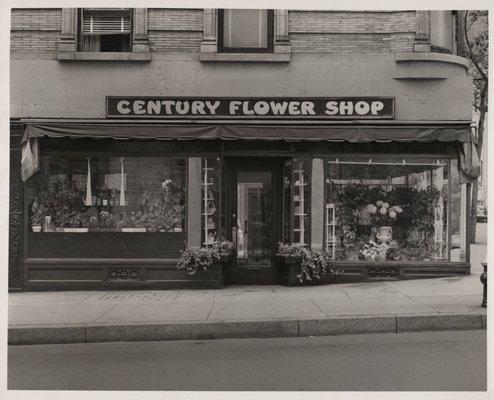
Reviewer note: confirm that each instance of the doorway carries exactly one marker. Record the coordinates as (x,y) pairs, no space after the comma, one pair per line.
(253,217)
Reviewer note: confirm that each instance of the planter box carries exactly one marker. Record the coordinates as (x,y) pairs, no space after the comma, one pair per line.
(212,278)
(289,268)
(225,263)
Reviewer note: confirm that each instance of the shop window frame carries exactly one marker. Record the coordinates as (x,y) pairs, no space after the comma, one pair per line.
(269,36)
(450,159)
(83,154)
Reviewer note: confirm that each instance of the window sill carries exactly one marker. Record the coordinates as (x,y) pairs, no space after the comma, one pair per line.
(245,57)
(93,56)
(407,57)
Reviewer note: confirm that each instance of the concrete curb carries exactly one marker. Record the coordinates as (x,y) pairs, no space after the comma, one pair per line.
(344,325)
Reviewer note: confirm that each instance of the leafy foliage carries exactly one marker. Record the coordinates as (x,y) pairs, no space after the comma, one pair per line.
(314,264)
(196,259)
(477,50)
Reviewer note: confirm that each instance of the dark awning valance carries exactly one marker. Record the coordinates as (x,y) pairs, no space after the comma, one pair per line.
(287,132)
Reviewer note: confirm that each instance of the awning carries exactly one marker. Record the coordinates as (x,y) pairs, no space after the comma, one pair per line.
(462,134)
(286,132)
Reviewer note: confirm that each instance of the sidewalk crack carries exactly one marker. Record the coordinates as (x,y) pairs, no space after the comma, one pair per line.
(422,304)
(84,299)
(105,313)
(210,311)
(319,308)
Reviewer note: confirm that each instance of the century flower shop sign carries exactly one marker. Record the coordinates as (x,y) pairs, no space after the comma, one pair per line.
(320,108)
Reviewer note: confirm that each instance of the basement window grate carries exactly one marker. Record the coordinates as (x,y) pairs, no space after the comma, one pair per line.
(383,273)
(123,274)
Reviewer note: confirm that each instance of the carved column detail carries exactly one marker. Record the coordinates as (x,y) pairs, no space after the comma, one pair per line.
(68,40)
(140,40)
(15,208)
(422,35)
(209,43)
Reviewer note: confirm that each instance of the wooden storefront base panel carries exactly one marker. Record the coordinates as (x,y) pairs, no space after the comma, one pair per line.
(376,271)
(121,275)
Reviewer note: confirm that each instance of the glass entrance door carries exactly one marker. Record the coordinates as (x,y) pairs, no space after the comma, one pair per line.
(254,193)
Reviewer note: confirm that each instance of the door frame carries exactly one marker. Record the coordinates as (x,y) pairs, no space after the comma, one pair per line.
(231,167)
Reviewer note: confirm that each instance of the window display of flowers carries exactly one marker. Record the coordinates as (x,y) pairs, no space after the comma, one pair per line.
(371,250)
(38,214)
(383,214)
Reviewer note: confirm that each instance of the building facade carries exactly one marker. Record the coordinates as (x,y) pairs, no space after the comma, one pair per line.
(142,129)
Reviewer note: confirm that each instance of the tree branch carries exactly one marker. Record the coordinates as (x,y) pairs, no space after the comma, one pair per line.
(469,48)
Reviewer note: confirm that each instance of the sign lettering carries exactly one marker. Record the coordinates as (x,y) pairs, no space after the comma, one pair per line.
(322,108)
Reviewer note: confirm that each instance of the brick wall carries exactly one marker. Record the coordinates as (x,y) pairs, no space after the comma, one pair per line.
(351,32)
(175,30)
(181,30)
(35,29)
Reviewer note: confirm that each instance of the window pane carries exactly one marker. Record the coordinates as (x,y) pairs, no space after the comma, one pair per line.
(245,28)
(105,29)
(387,210)
(442,29)
(211,180)
(458,216)
(131,194)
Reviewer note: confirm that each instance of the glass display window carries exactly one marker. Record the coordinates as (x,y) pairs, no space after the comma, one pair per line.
(113,194)
(393,209)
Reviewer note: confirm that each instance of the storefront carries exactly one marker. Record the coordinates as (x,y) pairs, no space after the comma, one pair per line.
(114,200)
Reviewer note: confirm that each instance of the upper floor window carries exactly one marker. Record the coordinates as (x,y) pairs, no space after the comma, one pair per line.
(245,30)
(105,29)
(442,28)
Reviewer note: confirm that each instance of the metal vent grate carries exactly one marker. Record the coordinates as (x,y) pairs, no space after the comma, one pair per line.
(123,274)
(383,273)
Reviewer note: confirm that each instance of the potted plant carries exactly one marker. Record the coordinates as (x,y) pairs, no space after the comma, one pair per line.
(302,265)
(225,249)
(194,260)
(38,214)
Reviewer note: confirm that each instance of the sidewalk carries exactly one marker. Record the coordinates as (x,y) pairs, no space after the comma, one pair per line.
(250,311)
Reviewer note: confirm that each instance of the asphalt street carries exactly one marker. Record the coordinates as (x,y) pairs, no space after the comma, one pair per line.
(445,361)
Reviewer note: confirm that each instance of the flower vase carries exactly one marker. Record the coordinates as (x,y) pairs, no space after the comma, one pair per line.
(384,234)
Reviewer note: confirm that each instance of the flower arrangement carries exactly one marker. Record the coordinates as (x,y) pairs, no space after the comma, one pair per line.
(196,259)
(314,263)
(371,250)
(39,211)
(290,249)
(382,213)
(224,247)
